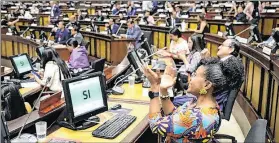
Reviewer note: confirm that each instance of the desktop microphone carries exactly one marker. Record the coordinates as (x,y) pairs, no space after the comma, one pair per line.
(117,90)
(47,81)
(24,31)
(119,28)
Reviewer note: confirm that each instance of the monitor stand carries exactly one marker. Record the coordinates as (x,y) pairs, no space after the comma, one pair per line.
(82,125)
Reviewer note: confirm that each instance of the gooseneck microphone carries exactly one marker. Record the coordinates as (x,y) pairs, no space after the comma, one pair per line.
(47,82)
(119,90)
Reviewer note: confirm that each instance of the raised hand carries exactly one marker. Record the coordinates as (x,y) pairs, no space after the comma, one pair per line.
(169,78)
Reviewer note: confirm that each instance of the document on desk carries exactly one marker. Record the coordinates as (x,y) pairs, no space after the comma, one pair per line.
(29,85)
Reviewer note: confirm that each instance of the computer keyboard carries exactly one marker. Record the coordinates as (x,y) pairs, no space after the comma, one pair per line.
(113,127)
(27,80)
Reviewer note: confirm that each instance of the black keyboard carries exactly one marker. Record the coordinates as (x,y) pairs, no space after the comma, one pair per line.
(113,127)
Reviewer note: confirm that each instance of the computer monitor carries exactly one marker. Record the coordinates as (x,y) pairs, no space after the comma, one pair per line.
(85,96)
(22,64)
(135,61)
(98,65)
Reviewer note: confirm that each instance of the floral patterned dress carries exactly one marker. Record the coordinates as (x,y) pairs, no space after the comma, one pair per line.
(185,123)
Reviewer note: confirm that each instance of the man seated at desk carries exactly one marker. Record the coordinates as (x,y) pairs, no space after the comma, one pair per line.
(76,35)
(112,27)
(62,34)
(73,22)
(173,20)
(116,10)
(133,32)
(99,16)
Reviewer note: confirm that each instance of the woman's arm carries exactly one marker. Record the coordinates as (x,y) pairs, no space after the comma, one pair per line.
(50,72)
(13,22)
(247,10)
(203,24)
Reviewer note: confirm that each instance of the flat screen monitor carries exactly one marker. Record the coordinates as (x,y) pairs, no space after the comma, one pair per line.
(85,96)
(136,62)
(21,64)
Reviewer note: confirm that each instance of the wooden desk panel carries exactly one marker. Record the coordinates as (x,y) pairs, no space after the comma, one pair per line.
(135,94)
(129,135)
(13,45)
(25,92)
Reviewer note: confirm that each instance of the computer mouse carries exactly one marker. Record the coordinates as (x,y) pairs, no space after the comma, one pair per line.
(115,107)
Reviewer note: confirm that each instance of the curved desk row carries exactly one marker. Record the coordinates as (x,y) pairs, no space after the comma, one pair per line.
(259,96)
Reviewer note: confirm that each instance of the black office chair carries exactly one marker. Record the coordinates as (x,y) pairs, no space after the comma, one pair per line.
(121,31)
(147,35)
(97,65)
(257,132)
(227,113)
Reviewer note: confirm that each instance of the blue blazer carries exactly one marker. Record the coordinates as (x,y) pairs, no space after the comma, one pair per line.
(134,33)
(64,36)
(132,12)
(56,11)
(115,11)
(114,28)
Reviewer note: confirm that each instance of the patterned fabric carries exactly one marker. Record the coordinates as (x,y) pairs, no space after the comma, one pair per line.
(185,123)
(193,59)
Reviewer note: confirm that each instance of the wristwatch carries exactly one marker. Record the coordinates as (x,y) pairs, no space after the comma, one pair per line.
(153,94)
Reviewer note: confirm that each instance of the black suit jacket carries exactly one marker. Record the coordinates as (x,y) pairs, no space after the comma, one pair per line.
(169,21)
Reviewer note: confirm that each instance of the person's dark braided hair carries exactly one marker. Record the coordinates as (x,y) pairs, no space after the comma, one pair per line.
(233,69)
(214,74)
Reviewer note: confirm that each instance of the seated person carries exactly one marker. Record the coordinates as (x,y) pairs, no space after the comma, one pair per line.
(195,119)
(178,11)
(116,10)
(148,19)
(62,34)
(232,68)
(73,22)
(192,60)
(202,25)
(177,46)
(79,56)
(100,17)
(79,15)
(131,11)
(121,17)
(133,32)
(7,22)
(55,70)
(239,15)
(173,20)
(76,35)
(112,27)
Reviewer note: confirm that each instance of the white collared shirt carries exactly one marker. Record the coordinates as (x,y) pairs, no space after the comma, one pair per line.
(225,58)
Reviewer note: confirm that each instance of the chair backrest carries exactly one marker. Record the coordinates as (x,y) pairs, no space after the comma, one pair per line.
(98,65)
(257,133)
(147,34)
(12,102)
(227,111)
(121,31)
